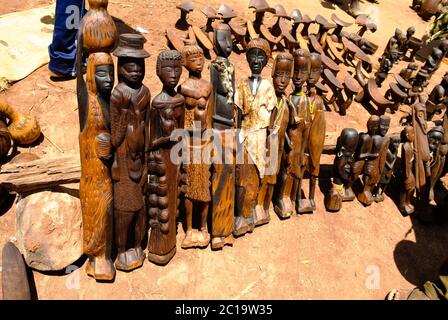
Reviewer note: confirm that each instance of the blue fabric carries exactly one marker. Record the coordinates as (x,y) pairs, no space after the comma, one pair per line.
(62,50)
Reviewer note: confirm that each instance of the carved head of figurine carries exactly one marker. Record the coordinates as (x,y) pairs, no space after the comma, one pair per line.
(420,115)
(315,69)
(407,135)
(394,143)
(169,68)
(373,125)
(435,137)
(100,74)
(131,55)
(346,147)
(258,53)
(398,34)
(435,56)
(410,32)
(302,66)
(193,56)
(413,66)
(384,125)
(222,38)
(97,4)
(282,71)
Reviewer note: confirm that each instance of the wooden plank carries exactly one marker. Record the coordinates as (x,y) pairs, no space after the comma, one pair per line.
(40,174)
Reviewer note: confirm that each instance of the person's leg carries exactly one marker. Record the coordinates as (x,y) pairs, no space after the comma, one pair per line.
(62,50)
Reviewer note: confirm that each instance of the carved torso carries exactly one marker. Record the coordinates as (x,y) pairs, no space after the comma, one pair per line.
(222,75)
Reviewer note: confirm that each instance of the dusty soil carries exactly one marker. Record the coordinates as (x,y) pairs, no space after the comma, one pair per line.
(319,256)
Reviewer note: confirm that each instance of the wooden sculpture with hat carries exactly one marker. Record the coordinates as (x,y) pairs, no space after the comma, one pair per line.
(129,106)
(255,98)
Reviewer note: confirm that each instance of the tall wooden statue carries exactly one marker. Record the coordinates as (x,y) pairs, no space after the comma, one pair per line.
(197,173)
(437,162)
(345,150)
(383,149)
(317,133)
(166,114)
(388,170)
(281,76)
(222,118)
(98,37)
(255,99)
(129,106)
(292,168)
(407,175)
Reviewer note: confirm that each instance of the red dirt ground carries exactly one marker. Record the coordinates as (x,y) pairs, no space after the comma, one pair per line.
(319,256)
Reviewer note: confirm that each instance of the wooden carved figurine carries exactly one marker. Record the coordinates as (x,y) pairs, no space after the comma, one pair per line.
(316,135)
(384,147)
(281,76)
(388,170)
(437,162)
(291,175)
(129,106)
(408,178)
(222,119)
(256,100)
(371,171)
(362,154)
(345,150)
(196,92)
(166,114)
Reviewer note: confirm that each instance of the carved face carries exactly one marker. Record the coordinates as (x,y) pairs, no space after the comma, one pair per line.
(104,78)
(170,72)
(316,69)
(302,67)
(224,44)
(257,60)
(131,70)
(434,140)
(282,75)
(384,127)
(373,127)
(410,136)
(394,143)
(421,118)
(195,63)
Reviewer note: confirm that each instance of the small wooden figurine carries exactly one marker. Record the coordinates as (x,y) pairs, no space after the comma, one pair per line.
(256,100)
(129,106)
(345,150)
(437,162)
(166,114)
(196,92)
(408,178)
(222,119)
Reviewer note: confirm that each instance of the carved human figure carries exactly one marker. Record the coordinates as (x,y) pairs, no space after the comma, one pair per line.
(421,145)
(255,98)
(437,162)
(408,72)
(362,154)
(405,45)
(388,170)
(196,92)
(408,178)
(384,147)
(292,168)
(345,150)
(129,107)
(433,61)
(95,148)
(281,76)
(316,135)
(371,171)
(222,118)
(167,113)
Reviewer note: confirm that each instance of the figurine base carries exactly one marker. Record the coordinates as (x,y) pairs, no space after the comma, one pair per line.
(196,239)
(161,260)
(130,259)
(220,242)
(407,210)
(242,226)
(305,206)
(378,198)
(284,208)
(100,268)
(365,198)
(261,216)
(349,195)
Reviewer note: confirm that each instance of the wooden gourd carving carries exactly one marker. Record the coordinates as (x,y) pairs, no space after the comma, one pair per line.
(24,129)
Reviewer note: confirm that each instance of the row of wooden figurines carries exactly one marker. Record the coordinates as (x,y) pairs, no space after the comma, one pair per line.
(374,155)
(127,170)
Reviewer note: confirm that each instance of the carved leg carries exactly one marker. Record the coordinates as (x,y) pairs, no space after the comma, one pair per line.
(240,226)
(282,201)
(188,240)
(366,197)
(261,216)
(205,236)
(268,198)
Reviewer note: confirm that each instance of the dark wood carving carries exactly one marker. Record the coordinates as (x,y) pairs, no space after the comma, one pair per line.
(407,175)
(383,150)
(437,162)
(222,119)
(5,140)
(15,283)
(388,170)
(167,113)
(129,107)
(197,197)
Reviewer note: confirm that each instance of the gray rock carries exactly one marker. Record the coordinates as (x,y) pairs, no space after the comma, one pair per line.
(49,229)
